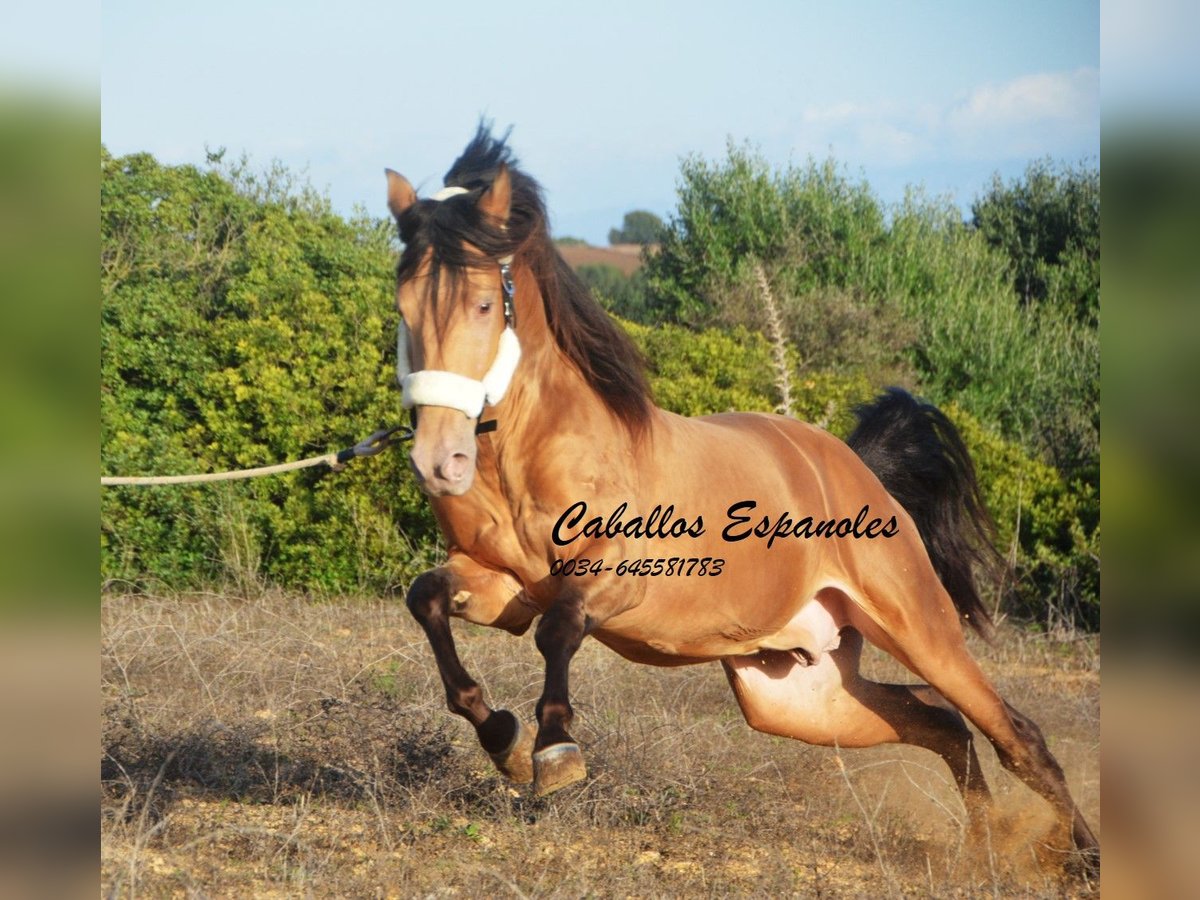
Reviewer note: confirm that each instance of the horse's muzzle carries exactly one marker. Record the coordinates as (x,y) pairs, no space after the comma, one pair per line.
(443,454)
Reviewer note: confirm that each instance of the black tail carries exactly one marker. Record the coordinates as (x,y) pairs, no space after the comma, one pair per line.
(919,456)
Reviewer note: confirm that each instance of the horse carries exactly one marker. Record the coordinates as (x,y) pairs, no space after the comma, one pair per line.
(754,540)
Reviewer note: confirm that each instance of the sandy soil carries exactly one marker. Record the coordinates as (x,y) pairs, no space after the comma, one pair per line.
(285,747)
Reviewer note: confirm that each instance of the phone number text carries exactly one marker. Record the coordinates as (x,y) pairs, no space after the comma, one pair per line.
(675,565)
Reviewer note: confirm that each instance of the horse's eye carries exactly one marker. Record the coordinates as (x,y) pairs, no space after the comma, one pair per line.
(485,307)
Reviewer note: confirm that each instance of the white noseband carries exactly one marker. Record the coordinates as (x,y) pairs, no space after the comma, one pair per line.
(431,387)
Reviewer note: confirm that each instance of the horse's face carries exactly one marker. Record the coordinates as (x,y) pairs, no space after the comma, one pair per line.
(454,326)
(456,333)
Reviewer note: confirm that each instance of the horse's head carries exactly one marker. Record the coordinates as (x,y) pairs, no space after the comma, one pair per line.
(457,349)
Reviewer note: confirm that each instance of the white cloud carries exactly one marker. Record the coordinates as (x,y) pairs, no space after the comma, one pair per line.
(1048,113)
(886,141)
(1047,98)
(837,113)
(1054,113)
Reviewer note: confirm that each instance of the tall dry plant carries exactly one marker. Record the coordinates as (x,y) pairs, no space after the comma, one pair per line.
(783,375)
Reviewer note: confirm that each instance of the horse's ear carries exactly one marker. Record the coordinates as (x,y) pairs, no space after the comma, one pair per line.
(497,200)
(400,193)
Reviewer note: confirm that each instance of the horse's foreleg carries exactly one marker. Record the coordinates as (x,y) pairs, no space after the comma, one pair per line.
(557,760)
(499,731)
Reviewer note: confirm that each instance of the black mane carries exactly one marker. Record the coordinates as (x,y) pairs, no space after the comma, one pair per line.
(457,236)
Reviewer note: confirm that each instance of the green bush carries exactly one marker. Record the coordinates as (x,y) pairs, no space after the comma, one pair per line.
(811,225)
(1048,225)
(1048,529)
(638,227)
(911,294)
(700,373)
(622,295)
(243,323)
(1031,371)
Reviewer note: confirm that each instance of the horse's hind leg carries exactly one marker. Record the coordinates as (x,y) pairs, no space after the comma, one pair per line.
(501,734)
(1081,835)
(929,641)
(829,703)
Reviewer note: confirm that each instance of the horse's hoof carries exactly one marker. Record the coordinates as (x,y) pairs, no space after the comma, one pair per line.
(516,761)
(556,767)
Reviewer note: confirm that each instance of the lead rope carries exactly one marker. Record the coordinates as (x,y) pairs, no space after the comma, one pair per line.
(369,446)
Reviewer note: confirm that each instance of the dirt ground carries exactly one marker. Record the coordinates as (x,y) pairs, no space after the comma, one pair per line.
(282,747)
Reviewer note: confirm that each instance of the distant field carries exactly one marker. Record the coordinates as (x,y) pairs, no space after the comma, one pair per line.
(626,257)
(285,747)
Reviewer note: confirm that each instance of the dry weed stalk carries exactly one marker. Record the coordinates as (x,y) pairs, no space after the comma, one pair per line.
(783,376)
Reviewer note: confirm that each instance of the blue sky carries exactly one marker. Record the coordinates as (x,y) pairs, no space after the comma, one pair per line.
(605,98)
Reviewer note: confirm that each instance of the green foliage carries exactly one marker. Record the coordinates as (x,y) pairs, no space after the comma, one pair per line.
(569,241)
(697,374)
(243,323)
(716,370)
(915,297)
(622,295)
(638,227)
(828,400)
(1048,225)
(821,237)
(810,225)
(1031,371)
(1048,527)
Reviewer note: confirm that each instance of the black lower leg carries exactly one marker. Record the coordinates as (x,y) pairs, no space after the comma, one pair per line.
(559,634)
(953,741)
(429,600)
(1040,770)
(920,716)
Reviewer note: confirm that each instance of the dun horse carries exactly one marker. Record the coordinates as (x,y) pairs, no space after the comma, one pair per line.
(754,540)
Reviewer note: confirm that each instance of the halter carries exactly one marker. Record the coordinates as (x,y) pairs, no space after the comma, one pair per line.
(432,387)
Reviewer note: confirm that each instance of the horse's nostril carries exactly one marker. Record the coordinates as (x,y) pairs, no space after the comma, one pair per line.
(454,468)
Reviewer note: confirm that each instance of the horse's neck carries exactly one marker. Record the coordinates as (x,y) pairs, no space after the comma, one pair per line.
(550,417)
(554,435)
(550,402)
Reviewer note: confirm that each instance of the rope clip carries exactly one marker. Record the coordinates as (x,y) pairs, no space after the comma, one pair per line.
(370,446)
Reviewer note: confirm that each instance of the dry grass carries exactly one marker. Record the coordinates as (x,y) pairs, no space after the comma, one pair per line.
(281,747)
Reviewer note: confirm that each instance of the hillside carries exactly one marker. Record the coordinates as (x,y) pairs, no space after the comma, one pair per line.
(625,257)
